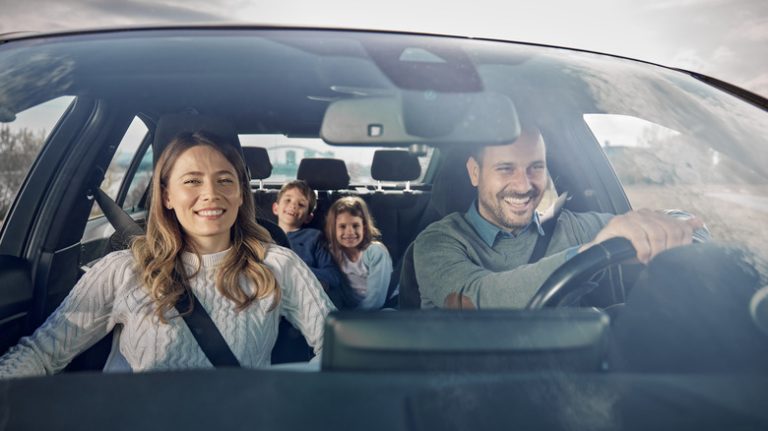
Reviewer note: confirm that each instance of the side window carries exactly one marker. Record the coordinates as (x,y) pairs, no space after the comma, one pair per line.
(139,183)
(20,142)
(117,172)
(661,168)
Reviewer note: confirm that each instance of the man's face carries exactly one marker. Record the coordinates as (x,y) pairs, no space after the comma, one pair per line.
(510,181)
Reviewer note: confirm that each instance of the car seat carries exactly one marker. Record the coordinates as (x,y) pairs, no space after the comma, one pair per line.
(451,192)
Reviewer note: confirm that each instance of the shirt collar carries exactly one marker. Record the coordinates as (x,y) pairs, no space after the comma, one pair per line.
(488,231)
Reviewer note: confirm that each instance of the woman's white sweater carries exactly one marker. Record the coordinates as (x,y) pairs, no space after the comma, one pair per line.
(111,294)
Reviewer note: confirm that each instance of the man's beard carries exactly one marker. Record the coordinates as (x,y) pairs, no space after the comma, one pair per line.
(501,217)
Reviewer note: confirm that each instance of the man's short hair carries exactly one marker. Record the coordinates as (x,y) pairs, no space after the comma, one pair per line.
(305,189)
(479,150)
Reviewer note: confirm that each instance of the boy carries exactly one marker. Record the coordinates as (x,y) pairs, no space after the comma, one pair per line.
(295,207)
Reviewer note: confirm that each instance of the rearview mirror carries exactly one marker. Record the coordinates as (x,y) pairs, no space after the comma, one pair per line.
(422,117)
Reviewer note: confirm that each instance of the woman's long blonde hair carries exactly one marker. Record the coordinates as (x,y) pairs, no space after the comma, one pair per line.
(355,207)
(158,253)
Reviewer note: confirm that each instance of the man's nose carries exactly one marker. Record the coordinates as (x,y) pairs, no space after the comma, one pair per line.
(520,181)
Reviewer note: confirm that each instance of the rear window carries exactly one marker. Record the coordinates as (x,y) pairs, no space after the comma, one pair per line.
(286,153)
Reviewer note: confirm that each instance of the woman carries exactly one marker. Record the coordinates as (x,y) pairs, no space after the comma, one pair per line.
(201,226)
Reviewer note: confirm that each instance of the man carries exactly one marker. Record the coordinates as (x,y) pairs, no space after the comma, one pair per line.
(479,259)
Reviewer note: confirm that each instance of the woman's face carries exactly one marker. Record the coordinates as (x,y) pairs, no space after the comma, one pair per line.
(349,230)
(204,193)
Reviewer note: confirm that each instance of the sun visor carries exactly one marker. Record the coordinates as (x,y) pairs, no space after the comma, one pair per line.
(422,117)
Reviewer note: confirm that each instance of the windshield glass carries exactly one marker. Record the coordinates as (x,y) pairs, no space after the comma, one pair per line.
(672,140)
(412,150)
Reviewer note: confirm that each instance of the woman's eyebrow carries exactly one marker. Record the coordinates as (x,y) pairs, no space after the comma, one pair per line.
(198,173)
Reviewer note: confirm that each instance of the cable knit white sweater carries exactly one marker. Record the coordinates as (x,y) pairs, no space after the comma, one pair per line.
(110,294)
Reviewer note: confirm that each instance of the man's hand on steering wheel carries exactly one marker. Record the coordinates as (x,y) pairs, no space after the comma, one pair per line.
(650,232)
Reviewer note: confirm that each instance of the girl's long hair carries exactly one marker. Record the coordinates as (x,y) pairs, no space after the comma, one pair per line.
(158,253)
(356,207)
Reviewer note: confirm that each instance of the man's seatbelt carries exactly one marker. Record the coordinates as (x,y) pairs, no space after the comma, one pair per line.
(548,226)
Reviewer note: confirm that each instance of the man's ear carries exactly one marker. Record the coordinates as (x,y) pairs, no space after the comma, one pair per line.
(274,208)
(473,169)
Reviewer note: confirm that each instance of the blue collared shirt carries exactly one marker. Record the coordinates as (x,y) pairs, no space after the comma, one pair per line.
(489,232)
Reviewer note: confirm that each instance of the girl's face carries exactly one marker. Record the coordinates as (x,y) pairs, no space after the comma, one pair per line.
(349,230)
(204,193)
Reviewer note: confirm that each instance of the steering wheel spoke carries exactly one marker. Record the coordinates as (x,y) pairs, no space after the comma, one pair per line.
(564,286)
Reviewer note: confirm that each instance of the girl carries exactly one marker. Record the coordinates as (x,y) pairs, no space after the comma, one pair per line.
(366,262)
(202,238)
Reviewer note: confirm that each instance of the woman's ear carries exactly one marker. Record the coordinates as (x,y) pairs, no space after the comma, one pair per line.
(166,200)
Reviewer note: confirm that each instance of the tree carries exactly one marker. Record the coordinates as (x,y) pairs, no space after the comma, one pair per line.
(18,149)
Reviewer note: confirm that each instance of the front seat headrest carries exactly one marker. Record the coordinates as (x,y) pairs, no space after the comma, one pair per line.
(324,174)
(170,125)
(257,160)
(395,165)
(452,191)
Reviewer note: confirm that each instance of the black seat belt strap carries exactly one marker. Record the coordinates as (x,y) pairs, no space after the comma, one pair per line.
(542,241)
(206,333)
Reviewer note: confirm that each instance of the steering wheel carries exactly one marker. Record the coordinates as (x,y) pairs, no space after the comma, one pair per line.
(565,283)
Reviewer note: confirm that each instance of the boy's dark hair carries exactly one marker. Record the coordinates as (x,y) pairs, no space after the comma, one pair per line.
(305,189)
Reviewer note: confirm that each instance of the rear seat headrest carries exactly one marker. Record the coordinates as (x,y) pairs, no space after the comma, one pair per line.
(395,165)
(170,125)
(324,174)
(257,160)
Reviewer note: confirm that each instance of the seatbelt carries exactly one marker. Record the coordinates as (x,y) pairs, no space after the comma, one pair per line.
(548,226)
(117,217)
(205,331)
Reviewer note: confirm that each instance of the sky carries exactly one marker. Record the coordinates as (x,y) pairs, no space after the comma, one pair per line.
(726,39)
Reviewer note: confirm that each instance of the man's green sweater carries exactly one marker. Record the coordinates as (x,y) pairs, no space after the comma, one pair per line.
(450,256)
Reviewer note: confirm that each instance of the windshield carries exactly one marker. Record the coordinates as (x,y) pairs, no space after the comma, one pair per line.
(410,150)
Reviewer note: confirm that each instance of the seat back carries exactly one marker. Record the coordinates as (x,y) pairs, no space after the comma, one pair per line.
(260,168)
(329,178)
(410,297)
(387,206)
(451,192)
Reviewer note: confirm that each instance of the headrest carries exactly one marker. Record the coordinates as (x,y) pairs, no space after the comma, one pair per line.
(324,174)
(395,165)
(171,125)
(451,188)
(257,160)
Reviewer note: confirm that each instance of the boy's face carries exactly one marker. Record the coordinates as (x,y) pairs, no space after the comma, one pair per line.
(292,209)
